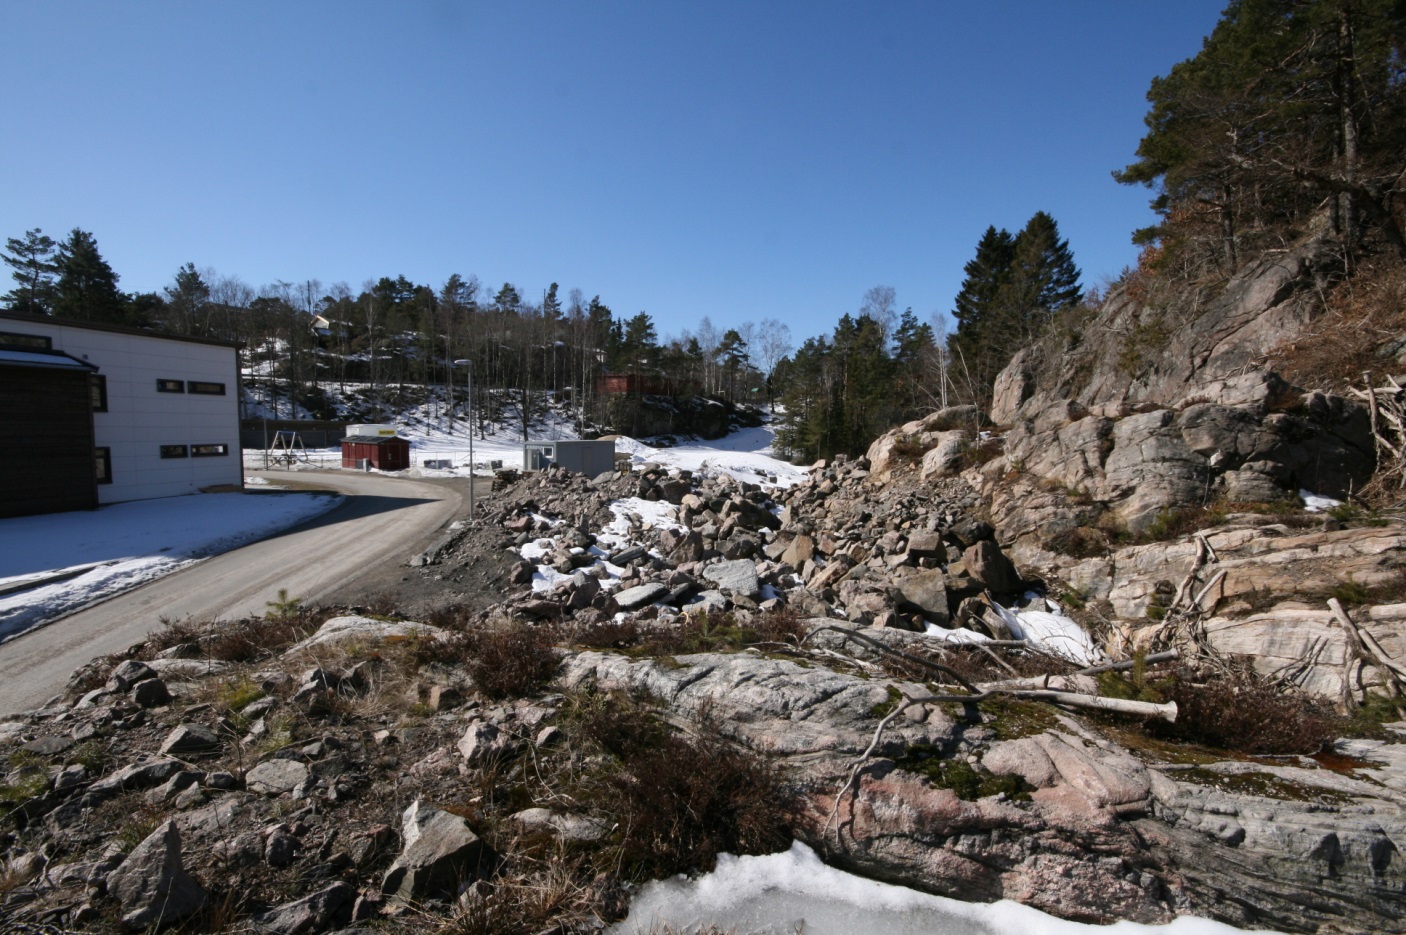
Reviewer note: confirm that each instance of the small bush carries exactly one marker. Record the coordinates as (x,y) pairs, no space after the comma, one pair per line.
(172,633)
(679,799)
(259,637)
(722,632)
(908,448)
(1080,542)
(980,451)
(1243,713)
(512,660)
(609,634)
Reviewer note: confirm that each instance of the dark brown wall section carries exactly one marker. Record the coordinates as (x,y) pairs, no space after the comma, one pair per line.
(47,419)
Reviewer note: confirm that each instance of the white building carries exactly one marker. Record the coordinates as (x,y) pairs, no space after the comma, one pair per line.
(101,414)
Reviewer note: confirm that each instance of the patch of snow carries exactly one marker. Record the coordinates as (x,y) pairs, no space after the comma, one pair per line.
(779,894)
(1317,503)
(957,635)
(1050,629)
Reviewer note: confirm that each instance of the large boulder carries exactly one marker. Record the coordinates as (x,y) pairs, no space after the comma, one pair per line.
(736,577)
(151,884)
(440,853)
(926,592)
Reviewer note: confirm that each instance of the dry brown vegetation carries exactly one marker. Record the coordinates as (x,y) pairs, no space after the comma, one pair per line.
(1362,314)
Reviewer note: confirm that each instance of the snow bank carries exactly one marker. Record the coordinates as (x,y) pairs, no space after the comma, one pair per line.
(88,556)
(781,894)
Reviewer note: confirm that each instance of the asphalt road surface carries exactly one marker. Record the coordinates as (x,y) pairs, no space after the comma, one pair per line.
(382,520)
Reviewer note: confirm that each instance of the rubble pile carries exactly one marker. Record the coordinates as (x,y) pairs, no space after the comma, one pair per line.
(655,543)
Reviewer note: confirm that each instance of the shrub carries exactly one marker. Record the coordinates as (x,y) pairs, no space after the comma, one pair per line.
(1079,542)
(908,448)
(1241,712)
(679,799)
(980,451)
(609,634)
(510,660)
(260,637)
(719,632)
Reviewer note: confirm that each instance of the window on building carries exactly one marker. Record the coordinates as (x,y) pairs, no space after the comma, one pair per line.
(206,388)
(104,464)
(170,386)
(174,451)
(11,340)
(97,386)
(208,451)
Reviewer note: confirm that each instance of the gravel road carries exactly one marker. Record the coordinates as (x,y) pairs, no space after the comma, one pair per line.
(381,522)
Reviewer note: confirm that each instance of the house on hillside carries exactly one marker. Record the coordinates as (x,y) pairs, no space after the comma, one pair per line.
(99,414)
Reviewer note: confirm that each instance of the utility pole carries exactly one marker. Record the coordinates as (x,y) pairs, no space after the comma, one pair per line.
(470,365)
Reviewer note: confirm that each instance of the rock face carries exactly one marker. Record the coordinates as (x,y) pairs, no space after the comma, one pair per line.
(1104,833)
(1176,409)
(1132,354)
(152,886)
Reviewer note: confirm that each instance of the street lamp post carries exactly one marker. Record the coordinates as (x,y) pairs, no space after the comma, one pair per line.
(470,365)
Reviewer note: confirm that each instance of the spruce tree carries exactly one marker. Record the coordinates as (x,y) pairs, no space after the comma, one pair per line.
(32,260)
(87,286)
(976,343)
(1013,287)
(1043,279)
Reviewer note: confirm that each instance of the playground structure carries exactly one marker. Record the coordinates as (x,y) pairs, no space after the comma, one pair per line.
(287,449)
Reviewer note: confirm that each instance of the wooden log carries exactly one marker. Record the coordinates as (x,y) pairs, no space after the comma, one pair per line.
(1167,712)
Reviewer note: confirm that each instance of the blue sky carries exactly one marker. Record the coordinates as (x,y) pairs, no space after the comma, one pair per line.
(740,160)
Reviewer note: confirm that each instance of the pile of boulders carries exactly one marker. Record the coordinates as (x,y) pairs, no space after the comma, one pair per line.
(902,553)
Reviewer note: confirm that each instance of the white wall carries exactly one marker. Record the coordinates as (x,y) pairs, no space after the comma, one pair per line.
(139,420)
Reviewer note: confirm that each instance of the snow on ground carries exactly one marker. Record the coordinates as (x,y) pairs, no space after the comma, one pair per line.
(57,563)
(630,513)
(745,454)
(780,894)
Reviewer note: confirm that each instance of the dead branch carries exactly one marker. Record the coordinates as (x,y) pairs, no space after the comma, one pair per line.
(898,653)
(1042,681)
(1359,656)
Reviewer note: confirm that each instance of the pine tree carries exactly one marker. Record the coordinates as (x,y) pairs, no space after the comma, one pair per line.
(87,286)
(1291,106)
(188,300)
(32,260)
(976,343)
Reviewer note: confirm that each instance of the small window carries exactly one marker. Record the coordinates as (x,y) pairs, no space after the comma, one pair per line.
(27,342)
(205,388)
(104,464)
(174,451)
(97,386)
(170,386)
(208,451)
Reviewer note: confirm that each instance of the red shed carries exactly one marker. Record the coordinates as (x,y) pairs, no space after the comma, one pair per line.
(383,452)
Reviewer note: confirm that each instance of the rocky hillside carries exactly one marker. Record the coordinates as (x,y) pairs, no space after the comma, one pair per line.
(693,665)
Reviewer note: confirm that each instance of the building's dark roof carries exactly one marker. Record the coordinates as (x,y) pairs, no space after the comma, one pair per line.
(115,329)
(37,358)
(373,439)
